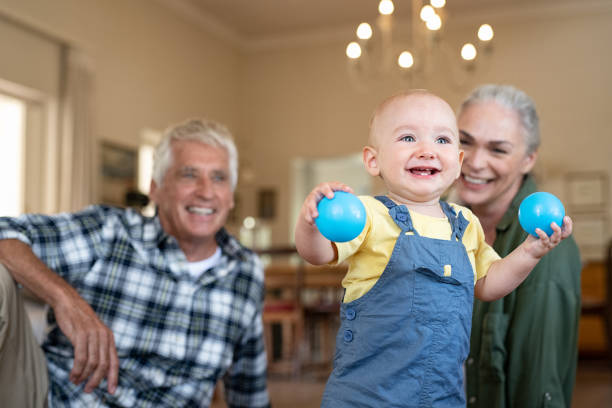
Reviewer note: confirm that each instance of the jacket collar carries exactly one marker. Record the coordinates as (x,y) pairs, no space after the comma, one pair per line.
(527,187)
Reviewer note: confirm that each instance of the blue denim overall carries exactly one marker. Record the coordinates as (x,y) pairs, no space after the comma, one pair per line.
(403,343)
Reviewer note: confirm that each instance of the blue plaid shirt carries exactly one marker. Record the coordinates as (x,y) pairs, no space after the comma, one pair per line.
(176,335)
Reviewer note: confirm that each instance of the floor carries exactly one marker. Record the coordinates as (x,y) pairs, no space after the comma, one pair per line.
(593,389)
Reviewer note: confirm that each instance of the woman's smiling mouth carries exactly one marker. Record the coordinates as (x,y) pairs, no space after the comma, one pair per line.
(475,180)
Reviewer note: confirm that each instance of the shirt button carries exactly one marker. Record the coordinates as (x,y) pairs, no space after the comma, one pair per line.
(548,396)
(348,336)
(470,361)
(472,400)
(350,313)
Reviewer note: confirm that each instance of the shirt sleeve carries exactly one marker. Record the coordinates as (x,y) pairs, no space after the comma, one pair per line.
(246,381)
(67,243)
(346,249)
(481,254)
(543,336)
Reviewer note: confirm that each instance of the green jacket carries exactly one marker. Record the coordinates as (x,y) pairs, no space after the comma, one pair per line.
(524,347)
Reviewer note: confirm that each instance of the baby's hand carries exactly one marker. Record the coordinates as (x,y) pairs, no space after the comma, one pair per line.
(309,209)
(538,247)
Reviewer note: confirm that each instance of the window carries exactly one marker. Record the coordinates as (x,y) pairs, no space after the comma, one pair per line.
(12,130)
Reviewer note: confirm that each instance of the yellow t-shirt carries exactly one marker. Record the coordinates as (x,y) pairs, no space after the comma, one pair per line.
(369,253)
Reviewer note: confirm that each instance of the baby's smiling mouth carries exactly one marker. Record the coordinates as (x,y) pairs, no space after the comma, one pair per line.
(423,171)
(201,210)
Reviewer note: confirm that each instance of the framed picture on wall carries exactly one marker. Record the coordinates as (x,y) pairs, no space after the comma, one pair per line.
(119,172)
(587,191)
(266,203)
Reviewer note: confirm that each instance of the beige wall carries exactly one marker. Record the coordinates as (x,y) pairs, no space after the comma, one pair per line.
(153,68)
(299,102)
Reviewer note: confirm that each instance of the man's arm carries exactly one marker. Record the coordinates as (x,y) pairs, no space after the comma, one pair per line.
(95,355)
(507,273)
(33,247)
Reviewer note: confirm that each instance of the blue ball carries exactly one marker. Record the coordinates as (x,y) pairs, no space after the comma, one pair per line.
(538,210)
(342,218)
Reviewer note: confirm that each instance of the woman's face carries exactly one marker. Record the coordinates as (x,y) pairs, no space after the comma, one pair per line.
(495,157)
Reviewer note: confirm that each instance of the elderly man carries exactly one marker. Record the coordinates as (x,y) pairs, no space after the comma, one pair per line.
(144,311)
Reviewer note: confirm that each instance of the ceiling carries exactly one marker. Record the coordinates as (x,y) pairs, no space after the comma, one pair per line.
(253,20)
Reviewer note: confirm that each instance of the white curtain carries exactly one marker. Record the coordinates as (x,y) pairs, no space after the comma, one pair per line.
(78,162)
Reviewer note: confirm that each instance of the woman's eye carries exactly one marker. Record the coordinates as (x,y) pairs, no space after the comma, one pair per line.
(407,138)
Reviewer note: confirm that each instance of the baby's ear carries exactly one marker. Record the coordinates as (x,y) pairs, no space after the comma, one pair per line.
(370,161)
(461,154)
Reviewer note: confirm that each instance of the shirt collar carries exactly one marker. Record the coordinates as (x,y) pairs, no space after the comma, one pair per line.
(528,186)
(157,237)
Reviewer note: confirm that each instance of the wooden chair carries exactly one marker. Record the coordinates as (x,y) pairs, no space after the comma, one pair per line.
(321,313)
(598,301)
(282,309)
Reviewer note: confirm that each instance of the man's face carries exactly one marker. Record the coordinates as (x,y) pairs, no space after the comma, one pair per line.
(416,148)
(196,195)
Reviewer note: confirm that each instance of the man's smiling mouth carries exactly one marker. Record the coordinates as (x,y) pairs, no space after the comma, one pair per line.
(201,210)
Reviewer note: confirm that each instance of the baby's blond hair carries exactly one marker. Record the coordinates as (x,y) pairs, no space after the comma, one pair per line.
(385,103)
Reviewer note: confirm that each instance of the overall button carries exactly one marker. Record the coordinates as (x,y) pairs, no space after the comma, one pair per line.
(348,336)
(350,314)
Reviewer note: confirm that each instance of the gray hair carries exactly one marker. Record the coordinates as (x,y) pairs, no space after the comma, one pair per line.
(515,100)
(201,130)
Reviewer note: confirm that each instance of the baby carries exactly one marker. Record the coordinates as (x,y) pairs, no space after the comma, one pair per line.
(414,269)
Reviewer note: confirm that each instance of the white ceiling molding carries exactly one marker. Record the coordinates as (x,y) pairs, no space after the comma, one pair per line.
(205,21)
(534,11)
(497,13)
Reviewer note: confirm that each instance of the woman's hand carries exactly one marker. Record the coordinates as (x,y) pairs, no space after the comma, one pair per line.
(538,247)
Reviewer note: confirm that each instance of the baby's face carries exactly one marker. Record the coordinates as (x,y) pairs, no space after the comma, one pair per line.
(416,147)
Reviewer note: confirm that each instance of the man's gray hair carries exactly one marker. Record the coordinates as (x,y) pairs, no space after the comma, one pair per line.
(200,130)
(514,99)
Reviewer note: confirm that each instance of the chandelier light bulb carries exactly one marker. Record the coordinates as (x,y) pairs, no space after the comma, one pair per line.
(468,52)
(485,32)
(364,31)
(438,3)
(353,50)
(405,59)
(427,12)
(434,23)
(385,7)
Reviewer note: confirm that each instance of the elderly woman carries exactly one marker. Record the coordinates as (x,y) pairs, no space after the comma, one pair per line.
(524,346)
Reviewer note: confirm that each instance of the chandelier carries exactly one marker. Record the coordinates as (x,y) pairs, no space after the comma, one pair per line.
(411,48)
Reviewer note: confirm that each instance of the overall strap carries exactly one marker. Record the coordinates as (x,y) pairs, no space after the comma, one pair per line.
(399,214)
(458,222)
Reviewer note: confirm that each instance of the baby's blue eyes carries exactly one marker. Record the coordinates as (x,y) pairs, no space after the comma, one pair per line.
(440,140)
